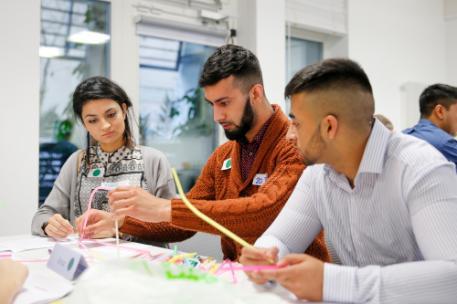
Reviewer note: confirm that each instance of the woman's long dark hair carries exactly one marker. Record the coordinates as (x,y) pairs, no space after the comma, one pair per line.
(99,87)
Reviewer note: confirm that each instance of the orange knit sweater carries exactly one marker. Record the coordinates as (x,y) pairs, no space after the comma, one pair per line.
(242,207)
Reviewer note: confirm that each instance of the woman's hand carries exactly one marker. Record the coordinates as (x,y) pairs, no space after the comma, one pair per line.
(58,227)
(100,224)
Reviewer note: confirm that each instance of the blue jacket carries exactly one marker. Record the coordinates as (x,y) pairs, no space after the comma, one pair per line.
(437,137)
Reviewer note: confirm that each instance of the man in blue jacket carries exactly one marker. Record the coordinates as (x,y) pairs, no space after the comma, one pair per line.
(438,123)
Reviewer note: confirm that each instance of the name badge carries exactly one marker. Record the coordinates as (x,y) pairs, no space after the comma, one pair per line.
(227,164)
(96,172)
(259,179)
(67,262)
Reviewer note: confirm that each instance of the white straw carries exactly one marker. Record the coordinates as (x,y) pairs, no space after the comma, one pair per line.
(116,225)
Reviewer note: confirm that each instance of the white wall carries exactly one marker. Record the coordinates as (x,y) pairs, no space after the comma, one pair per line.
(324,16)
(124,52)
(451,40)
(19,115)
(261,29)
(397,42)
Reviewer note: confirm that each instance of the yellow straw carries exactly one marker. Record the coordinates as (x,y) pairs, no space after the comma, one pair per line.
(205,218)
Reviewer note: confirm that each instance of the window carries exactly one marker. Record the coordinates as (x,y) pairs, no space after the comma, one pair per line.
(174,117)
(74,45)
(301,53)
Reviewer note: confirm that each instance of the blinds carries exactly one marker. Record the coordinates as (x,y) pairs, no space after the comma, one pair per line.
(167,29)
(325,16)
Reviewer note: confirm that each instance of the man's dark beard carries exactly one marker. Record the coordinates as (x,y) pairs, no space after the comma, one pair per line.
(245,125)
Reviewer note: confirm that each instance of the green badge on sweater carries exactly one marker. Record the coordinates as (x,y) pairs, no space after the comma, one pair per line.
(96,172)
(227,164)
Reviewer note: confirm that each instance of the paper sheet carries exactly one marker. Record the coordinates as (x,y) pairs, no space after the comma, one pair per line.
(32,242)
(43,288)
(107,250)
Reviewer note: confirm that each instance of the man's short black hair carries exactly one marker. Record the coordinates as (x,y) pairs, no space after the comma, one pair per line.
(230,60)
(435,94)
(328,74)
(353,102)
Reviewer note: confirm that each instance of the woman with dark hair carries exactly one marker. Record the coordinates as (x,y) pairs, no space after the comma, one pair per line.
(110,158)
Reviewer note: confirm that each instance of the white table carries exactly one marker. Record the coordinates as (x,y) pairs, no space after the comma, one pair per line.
(39,274)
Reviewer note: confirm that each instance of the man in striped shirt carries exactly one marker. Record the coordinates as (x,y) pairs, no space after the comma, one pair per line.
(387,201)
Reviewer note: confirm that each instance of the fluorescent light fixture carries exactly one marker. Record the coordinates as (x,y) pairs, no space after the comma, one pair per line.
(50,51)
(89,37)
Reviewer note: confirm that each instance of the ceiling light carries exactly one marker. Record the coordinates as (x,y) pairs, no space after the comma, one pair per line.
(89,37)
(50,51)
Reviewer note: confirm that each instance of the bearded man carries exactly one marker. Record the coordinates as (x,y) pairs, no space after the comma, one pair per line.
(245,182)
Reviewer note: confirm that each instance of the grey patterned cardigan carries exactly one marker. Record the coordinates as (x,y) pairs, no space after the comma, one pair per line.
(61,199)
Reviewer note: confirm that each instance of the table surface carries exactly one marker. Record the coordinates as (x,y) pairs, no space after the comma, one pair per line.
(36,260)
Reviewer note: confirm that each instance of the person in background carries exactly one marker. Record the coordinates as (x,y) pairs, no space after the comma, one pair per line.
(386,201)
(12,277)
(438,122)
(246,181)
(111,157)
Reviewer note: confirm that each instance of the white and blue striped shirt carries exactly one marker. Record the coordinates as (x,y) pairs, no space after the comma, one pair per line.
(395,232)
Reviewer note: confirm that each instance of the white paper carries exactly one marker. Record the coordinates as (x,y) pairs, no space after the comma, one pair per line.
(43,287)
(100,252)
(32,242)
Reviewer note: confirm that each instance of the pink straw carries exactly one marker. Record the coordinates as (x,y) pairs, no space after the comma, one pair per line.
(228,265)
(232,270)
(30,260)
(89,206)
(245,268)
(140,252)
(253,268)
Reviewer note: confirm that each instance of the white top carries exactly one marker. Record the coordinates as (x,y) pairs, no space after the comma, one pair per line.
(395,232)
